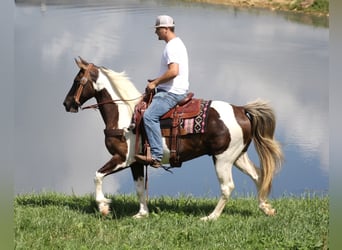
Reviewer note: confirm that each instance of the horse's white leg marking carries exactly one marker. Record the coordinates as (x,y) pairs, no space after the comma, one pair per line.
(248,167)
(224,175)
(140,187)
(102,202)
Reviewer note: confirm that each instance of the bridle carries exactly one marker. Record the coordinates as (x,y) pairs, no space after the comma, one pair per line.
(83,82)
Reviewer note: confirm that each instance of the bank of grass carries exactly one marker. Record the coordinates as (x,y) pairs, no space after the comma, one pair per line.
(315,7)
(57,221)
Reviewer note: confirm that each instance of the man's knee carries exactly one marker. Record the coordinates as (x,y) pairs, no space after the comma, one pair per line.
(147,116)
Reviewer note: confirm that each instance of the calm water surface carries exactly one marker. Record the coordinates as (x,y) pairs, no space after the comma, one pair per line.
(236,55)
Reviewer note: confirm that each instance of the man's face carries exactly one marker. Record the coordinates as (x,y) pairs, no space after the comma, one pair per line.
(161,33)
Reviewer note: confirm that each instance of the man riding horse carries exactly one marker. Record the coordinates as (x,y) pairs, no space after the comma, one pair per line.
(228,132)
(171,87)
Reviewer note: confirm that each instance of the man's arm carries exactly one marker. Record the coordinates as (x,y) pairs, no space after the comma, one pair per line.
(172,72)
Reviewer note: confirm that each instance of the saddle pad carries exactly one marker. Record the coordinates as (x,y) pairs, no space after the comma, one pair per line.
(194,125)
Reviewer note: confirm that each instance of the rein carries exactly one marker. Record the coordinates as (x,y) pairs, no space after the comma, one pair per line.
(97,105)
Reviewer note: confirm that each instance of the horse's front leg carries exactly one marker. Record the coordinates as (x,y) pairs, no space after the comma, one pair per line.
(112,166)
(138,176)
(101,200)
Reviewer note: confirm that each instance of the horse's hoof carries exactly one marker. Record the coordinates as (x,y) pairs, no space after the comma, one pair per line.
(140,215)
(271,212)
(208,218)
(205,218)
(104,208)
(267,209)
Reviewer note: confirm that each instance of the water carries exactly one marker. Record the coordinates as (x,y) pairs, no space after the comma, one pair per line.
(236,55)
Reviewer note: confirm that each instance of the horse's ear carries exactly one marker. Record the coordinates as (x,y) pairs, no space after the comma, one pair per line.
(80,63)
(83,61)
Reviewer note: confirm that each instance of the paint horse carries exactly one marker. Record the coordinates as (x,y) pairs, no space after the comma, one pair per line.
(229,131)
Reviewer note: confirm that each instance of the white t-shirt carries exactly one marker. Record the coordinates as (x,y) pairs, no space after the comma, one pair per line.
(175,52)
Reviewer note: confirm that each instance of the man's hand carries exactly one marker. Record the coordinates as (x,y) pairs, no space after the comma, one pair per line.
(151,85)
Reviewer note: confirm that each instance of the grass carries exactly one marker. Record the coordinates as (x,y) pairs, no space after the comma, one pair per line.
(57,221)
(319,6)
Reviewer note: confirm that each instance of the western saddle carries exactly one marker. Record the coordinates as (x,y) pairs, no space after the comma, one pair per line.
(170,124)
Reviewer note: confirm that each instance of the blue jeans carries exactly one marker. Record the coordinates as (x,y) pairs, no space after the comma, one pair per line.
(161,103)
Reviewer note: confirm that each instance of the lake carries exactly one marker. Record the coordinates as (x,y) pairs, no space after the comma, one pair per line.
(236,55)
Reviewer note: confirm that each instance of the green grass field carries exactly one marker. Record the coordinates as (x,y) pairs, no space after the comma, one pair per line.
(57,221)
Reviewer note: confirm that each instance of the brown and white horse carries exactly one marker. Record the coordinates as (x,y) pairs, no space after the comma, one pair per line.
(228,134)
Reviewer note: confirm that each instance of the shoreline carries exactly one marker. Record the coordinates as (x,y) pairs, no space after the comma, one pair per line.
(296,6)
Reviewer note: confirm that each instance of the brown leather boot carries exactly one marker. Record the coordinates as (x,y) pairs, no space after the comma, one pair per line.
(152,162)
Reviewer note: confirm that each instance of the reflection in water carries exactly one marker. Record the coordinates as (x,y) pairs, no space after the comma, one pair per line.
(235,55)
(313,20)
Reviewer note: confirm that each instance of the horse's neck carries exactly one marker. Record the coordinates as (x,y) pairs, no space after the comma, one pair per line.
(121,86)
(121,113)
(109,111)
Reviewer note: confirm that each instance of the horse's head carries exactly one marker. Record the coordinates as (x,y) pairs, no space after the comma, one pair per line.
(82,89)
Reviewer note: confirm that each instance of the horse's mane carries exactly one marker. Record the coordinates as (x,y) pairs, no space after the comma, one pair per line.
(122,86)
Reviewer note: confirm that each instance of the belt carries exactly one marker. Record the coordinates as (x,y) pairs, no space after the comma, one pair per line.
(161,90)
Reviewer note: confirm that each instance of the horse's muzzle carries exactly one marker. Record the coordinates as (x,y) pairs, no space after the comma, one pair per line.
(70,106)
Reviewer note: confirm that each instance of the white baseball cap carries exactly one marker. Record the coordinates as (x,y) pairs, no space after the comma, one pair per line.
(164,21)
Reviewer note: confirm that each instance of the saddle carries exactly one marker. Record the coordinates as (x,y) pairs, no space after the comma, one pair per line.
(170,123)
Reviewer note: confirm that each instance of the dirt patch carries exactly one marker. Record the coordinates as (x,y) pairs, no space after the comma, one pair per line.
(257,3)
(286,5)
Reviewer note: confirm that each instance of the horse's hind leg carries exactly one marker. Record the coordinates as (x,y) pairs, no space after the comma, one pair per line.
(248,167)
(224,174)
(138,176)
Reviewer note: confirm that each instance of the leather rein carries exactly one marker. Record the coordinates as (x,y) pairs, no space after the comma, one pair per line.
(97,105)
